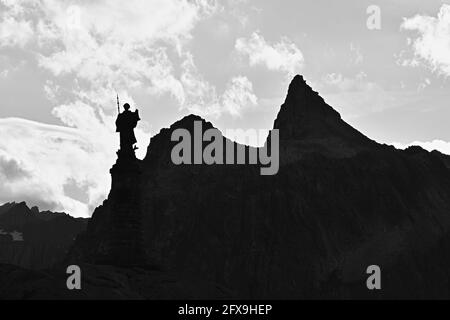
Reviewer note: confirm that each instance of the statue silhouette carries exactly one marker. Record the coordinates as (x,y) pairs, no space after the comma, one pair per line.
(125,124)
(124,245)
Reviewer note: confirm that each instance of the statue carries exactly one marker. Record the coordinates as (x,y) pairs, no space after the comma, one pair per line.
(125,124)
(123,244)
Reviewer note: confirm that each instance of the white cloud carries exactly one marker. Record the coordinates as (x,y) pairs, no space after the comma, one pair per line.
(201,97)
(39,160)
(52,156)
(51,90)
(236,10)
(88,50)
(238,95)
(424,84)
(439,145)
(337,81)
(106,44)
(283,56)
(14,32)
(356,96)
(357,56)
(432,44)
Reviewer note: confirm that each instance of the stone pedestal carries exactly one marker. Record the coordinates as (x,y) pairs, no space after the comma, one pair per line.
(125,243)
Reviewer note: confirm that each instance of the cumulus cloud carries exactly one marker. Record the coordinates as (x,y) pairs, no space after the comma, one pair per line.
(88,49)
(198,96)
(105,46)
(14,32)
(439,145)
(238,95)
(283,56)
(105,43)
(38,160)
(202,98)
(431,44)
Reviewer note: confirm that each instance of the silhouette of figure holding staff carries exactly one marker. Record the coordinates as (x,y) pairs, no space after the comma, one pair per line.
(125,124)
(124,243)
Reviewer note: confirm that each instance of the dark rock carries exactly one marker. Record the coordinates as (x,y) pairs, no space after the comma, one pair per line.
(105,283)
(5,239)
(340,203)
(46,236)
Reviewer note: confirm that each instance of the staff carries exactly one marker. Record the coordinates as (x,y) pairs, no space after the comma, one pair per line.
(118,105)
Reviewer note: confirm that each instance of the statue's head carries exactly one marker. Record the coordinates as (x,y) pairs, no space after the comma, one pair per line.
(126,106)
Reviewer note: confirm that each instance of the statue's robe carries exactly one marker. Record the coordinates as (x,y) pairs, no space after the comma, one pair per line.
(125,124)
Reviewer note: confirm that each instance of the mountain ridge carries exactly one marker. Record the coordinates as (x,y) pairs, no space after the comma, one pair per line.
(339,203)
(43,238)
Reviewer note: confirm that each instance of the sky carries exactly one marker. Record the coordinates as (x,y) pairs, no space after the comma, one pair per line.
(384,65)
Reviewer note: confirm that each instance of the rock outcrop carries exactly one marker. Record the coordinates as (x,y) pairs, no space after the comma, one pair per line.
(105,283)
(34,239)
(339,203)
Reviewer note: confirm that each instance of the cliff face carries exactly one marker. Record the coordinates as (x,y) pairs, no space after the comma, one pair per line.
(34,239)
(339,203)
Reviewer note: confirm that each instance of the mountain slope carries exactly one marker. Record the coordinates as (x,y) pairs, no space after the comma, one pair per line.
(105,283)
(339,203)
(37,240)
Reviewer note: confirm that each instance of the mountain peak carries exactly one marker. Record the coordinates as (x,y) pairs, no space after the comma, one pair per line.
(188,122)
(303,102)
(307,118)
(299,85)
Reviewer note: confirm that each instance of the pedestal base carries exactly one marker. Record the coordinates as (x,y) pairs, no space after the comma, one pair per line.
(125,244)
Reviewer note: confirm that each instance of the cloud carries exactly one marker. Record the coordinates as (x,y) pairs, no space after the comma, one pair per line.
(38,161)
(14,32)
(200,97)
(87,50)
(431,46)
(239,95)
(336,82)
(356,54)
(424,84)
(356,95)
(10,169)
(105,45)
(42,159)
(439,145)
(283,56)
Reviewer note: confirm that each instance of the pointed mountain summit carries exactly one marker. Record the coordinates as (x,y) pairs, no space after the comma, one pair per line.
(303,101)
(339,203)
(305,118)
